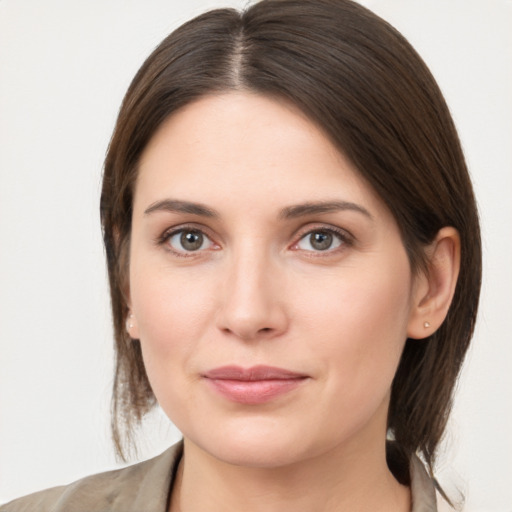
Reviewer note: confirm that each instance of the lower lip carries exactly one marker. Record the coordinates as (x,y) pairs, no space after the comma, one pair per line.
(255,391)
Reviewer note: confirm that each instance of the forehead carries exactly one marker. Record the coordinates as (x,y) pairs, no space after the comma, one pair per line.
(248,149)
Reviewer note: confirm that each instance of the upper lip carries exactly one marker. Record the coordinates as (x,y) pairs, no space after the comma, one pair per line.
(253,373)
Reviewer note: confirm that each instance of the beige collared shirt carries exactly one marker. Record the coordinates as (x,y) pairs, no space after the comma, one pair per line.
(144,487)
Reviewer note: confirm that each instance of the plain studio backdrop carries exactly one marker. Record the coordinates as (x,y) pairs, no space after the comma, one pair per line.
(64,67)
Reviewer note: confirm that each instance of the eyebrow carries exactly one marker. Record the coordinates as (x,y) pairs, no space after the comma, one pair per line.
(320,207)
(290,212)
(174,205)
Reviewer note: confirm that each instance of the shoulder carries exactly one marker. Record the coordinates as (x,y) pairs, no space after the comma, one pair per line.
(144,486)
(423,492)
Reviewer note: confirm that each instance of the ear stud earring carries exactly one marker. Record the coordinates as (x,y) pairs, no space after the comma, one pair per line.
(129,323)
(426,325)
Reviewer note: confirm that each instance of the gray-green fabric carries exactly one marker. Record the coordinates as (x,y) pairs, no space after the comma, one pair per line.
(145,487)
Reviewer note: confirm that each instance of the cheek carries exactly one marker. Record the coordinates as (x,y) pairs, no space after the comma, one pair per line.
(171,315)
(359,324)
(358,301)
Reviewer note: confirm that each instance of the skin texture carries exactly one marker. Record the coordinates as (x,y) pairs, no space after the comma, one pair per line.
(259,292)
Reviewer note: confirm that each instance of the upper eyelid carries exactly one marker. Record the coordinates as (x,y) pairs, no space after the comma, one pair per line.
(305,230)
(168,232)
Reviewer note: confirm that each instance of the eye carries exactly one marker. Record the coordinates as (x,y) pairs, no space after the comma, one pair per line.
(188,240)
(320,240)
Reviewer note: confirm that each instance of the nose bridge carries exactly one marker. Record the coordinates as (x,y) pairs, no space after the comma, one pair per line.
(251,304)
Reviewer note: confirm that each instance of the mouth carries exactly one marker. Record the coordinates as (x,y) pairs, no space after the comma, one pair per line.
(255,385)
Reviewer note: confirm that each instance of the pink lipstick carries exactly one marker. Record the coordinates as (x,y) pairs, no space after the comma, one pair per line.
(255,385)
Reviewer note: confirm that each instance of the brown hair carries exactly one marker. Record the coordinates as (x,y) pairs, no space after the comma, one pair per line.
(361,81)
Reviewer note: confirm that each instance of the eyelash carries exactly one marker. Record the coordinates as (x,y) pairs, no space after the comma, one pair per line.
(344,237)
(167,235)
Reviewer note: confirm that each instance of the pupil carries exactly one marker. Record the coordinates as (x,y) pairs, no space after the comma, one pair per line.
(321,241)
(191,241)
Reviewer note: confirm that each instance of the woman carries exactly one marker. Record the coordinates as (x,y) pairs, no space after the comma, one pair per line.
(294,261)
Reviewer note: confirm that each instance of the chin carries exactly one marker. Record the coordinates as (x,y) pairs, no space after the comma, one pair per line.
(253,447)
(257,447)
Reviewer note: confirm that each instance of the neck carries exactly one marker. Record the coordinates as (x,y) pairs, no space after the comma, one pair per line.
(343,479)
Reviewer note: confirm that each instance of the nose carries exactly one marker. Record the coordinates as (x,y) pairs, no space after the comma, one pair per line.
(253,304)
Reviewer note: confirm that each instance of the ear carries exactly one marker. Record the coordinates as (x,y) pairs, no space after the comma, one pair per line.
(433,291)
(124,282)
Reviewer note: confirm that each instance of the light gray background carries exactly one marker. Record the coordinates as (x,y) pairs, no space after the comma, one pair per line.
(64,67)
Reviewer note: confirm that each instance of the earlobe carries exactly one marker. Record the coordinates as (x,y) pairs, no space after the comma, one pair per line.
(434,290)
(131,326)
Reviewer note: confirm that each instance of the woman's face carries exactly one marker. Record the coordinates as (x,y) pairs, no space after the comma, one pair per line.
(270,288)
